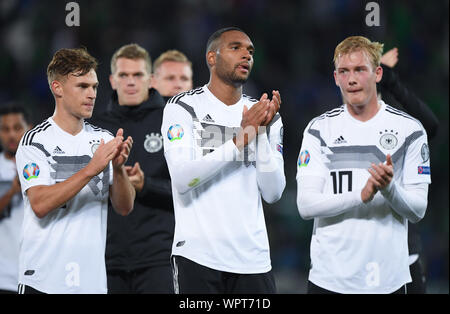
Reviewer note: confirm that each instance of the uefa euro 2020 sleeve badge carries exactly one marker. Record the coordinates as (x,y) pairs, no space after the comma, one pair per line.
(153,142)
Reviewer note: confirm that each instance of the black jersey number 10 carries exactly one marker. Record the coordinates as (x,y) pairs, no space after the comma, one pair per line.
(338,177)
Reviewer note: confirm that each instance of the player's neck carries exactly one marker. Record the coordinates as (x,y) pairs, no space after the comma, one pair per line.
(364,112)
(228,94)
(68,122)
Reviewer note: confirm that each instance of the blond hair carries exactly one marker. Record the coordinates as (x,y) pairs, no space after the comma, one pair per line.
(351,44)
(171,55)
(134,52)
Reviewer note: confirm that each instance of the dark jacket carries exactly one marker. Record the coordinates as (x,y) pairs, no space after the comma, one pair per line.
(144,237)
(398,95)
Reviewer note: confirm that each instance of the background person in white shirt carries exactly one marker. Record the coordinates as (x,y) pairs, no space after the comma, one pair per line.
(219,174)
(363,172)
(68,169)
(14,122)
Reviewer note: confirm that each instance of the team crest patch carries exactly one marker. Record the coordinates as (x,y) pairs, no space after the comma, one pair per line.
(31,171)
(94,145)
(425,153)
(304,158)
(153,142)
(388,140)
(175,132)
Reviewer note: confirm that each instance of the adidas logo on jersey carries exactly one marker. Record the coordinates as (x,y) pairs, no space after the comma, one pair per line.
(58,151)
(340,140)
(208,118)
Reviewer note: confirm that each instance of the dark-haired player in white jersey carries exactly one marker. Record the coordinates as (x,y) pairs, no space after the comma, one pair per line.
(219,174)
(67,170)
(363,172)
(14,122)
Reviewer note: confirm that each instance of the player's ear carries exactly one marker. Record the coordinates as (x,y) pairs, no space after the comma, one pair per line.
(335,78)
(379,73)
(150,80)
(154,81)
(211,58)
(56,87)
(112,82)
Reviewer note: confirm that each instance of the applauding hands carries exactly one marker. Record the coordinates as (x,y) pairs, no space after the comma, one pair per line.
(256,118)
(117,150)
(381,176)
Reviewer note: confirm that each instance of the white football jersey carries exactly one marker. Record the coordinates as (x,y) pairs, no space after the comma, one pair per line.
(10,228)
(63,252)
(364,250)
(219,221)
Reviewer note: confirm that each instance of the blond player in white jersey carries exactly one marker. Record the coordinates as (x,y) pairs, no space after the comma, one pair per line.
(363,172)
(221,174)
(67,170)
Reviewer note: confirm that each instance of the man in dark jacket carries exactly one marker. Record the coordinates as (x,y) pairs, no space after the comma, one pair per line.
(397,94)
(138,246)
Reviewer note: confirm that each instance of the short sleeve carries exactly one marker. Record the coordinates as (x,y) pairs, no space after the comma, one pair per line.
(32,167)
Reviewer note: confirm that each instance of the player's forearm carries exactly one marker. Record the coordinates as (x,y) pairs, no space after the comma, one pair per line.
(269,170)
(122,193)
(409,202)
(189,174)
(317,205)
(313,203)
(46,198)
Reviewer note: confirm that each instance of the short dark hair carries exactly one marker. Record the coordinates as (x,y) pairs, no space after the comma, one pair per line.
(66,61)
(15,108)
(211,44)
